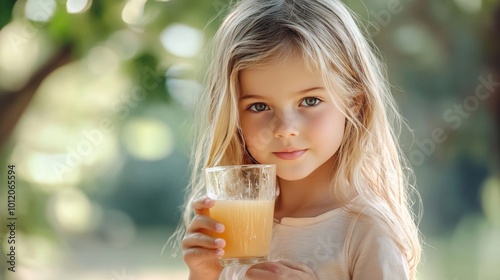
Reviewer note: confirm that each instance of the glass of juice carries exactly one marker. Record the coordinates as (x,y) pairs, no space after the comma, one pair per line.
(244,202)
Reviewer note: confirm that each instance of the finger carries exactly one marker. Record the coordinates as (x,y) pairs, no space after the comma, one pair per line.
(196,255)
(202,204)
(202,240)
(204,223)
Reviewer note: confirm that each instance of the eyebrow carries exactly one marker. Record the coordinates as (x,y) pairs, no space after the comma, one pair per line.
(251,96)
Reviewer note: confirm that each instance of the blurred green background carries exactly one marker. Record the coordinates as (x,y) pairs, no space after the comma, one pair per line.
(95,113)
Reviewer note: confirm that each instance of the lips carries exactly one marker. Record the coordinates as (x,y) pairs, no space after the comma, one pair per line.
(290,154)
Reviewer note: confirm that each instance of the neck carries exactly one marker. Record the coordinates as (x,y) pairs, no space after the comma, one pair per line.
(308,197)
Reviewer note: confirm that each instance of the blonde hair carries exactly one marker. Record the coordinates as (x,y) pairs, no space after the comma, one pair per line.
(325,33)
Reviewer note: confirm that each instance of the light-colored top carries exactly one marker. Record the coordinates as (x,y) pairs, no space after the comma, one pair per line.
(337,245)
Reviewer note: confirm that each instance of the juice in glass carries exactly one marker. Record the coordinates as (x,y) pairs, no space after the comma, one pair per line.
(248,223)
(244,202)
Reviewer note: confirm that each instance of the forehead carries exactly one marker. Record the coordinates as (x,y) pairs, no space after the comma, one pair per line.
(290,74)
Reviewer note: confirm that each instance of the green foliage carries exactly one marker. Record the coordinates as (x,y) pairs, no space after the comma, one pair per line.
(6,12)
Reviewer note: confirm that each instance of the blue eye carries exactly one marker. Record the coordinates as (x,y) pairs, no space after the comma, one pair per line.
(258,107)
(310,101)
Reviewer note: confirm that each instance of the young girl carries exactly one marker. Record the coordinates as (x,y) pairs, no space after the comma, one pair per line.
(294,83)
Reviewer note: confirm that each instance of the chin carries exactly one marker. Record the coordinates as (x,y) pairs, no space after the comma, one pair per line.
(289,174)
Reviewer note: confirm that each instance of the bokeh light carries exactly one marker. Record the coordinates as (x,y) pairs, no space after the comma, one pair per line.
(40,10)
(78,6)
(148,139)
(133,11)
(125,43)
(70,210)
(491,201)
(19,53)
(183,89)
(182,40)
(102,59)
(469,6)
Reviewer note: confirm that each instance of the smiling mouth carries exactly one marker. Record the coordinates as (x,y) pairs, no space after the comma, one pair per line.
(290,155)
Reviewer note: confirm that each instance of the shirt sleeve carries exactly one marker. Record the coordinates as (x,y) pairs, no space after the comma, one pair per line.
(373,254)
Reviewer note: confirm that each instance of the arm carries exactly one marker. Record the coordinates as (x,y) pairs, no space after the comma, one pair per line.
(373,254)
(280,270)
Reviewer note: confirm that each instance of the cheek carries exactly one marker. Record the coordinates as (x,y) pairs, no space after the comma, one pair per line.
(256,133)
(328,127)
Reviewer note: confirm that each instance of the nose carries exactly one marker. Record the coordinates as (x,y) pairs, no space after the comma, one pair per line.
(285,125)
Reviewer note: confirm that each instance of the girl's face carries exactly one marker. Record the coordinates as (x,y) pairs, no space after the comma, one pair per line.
(288,118)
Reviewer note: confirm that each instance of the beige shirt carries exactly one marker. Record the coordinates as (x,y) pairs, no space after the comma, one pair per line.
(337,245)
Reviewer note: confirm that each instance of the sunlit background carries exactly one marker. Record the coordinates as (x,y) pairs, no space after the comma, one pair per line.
(95,112)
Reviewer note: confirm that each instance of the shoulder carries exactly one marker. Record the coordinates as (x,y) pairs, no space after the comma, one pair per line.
(372,251)
(368,220)
(367,231)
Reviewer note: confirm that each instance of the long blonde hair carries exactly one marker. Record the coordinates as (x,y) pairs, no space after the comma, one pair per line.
(325,33)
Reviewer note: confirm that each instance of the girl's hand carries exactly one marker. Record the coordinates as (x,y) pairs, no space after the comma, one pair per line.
(282,269)
(200,250)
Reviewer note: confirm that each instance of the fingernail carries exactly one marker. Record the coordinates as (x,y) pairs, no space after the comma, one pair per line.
(219,227)
(219,242)
(219,252)
(206,201)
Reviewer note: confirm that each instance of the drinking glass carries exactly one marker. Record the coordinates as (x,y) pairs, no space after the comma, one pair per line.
(244,202)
